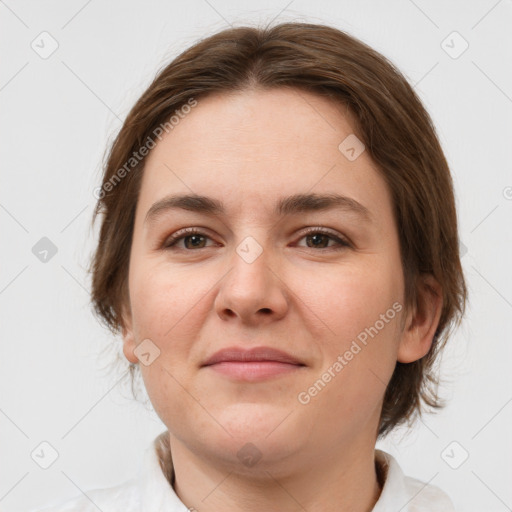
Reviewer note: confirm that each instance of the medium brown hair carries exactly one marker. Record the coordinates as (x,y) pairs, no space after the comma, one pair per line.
(389,119)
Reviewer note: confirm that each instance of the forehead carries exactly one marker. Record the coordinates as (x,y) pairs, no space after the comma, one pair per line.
(250,148)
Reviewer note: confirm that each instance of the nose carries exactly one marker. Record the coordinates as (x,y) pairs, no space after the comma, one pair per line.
(253,291)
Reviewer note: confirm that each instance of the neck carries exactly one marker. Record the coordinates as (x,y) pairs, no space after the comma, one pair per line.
(329,483)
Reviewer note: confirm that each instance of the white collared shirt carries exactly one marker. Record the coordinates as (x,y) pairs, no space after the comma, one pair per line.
(152,492)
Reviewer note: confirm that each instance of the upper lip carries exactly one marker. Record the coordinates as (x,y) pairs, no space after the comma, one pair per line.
(251,355)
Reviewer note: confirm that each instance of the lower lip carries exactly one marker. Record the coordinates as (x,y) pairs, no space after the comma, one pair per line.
(254,370)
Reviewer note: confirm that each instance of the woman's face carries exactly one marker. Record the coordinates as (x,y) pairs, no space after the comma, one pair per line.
(253,277)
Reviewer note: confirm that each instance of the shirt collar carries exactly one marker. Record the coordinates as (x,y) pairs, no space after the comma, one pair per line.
(157,492)
(394,485)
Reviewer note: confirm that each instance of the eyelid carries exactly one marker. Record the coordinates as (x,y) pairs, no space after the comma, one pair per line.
(326,231)
(342,240)
(183,233)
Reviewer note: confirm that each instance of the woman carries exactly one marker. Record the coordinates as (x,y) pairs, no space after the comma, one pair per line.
(279,251)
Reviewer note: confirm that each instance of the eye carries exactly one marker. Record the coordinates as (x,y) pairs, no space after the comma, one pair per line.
(319,238)
(192,238)
(316,237)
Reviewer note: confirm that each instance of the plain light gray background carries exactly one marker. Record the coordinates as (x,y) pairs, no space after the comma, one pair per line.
(59,113)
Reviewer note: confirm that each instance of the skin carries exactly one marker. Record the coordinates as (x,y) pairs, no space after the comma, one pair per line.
(248,150)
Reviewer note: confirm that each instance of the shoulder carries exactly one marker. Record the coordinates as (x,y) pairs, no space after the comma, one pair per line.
(405,493)
(150,490)
(427,497)
(121,498)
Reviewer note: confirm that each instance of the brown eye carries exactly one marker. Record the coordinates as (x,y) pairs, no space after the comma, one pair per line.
(316,238)
(192,239)
(320,238)
(195,241)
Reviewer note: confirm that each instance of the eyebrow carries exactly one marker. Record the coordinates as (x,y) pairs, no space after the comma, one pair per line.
(298,203)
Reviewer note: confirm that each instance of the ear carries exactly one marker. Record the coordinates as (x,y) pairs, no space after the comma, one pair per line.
(422,321)
(128,336)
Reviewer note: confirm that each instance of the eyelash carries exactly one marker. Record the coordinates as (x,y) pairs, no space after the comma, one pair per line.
(171,241)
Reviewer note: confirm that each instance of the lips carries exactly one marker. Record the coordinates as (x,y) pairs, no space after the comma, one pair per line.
(257,354)
(253,365)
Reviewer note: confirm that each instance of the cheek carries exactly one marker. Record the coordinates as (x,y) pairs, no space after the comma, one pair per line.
(361,307)
(350,300)
(160,297)
(171,399)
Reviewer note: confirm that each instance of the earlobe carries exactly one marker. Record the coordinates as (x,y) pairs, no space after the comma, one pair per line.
(129,347)
(128,339)
(422,323)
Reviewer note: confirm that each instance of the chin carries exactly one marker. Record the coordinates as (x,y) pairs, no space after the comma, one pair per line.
(257,457)
(249,438)
(270,431)
(247,421)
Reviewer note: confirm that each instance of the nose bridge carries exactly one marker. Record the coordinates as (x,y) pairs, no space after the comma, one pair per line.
(251,286)
(251,262)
